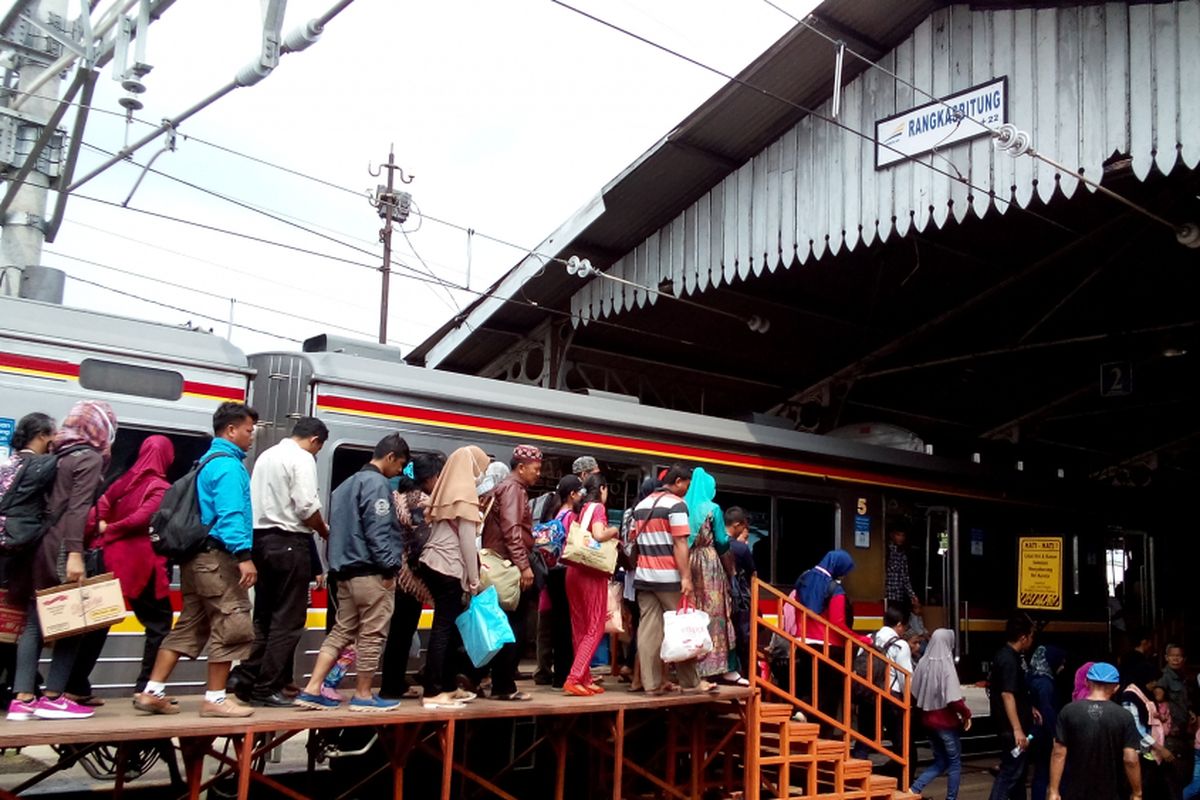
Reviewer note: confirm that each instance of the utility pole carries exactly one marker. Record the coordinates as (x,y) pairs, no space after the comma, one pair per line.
(24,218)
(393,206)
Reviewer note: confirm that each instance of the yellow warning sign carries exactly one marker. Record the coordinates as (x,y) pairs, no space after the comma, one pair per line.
(1039,574)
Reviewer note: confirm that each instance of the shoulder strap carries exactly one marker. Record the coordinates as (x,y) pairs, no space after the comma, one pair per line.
(210,457)
(639,525)
(589,517)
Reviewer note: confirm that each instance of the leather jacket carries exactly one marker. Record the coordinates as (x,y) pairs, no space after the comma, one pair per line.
(508,528)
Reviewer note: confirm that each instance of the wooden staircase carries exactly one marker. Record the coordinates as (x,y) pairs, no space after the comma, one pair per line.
(789,757)
(794,762)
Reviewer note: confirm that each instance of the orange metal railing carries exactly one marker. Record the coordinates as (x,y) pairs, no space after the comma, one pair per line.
(820,654)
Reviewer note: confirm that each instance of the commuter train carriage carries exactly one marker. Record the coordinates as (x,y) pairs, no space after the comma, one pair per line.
(804,494)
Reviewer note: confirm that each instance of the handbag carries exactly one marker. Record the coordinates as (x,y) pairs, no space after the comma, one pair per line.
(502,574)
(615,622)
(582,550)
(685,633)
(484,627)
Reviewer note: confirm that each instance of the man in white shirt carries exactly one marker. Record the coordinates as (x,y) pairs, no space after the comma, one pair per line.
(287,512)
(890,641)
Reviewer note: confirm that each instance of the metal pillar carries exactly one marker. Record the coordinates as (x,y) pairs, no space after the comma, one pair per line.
(23,223)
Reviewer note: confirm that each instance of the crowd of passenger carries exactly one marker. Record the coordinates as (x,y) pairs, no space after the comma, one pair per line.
(405,532)
(1127,731)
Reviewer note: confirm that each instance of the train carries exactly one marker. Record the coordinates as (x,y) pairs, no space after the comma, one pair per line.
(804,493)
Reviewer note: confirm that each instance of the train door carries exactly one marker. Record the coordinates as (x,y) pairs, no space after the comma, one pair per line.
(935,578)
(1129,571)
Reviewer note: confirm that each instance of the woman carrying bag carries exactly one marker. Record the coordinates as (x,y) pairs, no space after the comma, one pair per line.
(449,566)
(587,592)
(936,691)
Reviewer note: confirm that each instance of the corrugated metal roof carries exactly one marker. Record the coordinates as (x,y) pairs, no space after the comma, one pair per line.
(1086,82)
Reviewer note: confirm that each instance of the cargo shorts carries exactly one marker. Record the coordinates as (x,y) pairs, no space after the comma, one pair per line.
(216,610)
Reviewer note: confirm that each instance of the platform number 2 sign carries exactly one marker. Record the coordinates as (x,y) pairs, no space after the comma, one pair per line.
(1116,379)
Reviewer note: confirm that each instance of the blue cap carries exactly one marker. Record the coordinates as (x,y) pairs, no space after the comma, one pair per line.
(1103,673)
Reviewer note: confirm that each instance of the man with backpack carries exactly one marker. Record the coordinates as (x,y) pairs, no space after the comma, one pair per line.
(287,512)
(216,580)
(890,642)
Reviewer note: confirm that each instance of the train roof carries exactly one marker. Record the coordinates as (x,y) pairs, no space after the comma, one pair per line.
(388,377)
(30,319)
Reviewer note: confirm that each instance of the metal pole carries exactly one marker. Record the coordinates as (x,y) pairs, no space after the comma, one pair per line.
(23,234)
(385,235)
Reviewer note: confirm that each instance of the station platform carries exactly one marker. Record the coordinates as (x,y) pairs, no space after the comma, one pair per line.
(698,748)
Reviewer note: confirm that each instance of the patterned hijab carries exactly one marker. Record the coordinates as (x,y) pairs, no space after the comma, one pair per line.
(91,423)
(454,495)
(1047,661)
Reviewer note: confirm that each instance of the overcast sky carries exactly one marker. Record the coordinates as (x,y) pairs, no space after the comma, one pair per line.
(510,115)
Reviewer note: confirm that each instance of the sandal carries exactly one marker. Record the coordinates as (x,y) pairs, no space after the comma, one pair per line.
(516,697)
(576,690)
(412,692)
(89,700)
(703,687)
(463,696)
(594,688)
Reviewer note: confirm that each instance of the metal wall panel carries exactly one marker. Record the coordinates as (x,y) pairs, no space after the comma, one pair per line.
(1086,82)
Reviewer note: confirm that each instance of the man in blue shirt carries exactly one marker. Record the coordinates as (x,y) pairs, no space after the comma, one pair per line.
(216,581)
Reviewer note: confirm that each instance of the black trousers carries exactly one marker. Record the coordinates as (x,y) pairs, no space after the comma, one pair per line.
(504,665)
(405,619)
(559,618)
(441,659)
(280,608)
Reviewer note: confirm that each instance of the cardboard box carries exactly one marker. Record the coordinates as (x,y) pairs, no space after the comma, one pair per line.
(12,619)
(76,608)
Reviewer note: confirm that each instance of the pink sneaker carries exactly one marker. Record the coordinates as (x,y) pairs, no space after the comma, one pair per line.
(21,710)
(331,693)
(61,707)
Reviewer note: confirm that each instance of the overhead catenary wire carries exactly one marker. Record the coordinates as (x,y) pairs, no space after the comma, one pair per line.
(214,295)
(180,309)
(1032,152)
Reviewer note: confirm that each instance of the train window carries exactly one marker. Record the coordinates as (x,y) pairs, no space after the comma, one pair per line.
(758,515)
(350,458)
(807,531)
(116,378)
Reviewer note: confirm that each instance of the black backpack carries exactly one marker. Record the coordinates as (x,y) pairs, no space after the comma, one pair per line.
(176,531)
(23,519)
(879,670)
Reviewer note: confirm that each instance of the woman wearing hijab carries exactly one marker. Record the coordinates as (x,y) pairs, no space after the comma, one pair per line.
(1044,666)
(936,691)
(1080,691)
(410,498)
(820,591)
(707,542)
(587,592)
(119,527)
(83,446)
(449,566)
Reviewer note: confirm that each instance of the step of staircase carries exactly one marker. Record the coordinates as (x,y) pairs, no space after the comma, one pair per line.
(776,712)
(881,786)
(902,795)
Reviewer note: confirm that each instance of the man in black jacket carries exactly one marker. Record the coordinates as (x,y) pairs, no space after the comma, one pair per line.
(365,553)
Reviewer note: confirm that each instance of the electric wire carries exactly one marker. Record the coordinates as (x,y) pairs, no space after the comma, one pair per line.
(809,111)
(1031,152)
(180,309)
(214,295)
(247,273)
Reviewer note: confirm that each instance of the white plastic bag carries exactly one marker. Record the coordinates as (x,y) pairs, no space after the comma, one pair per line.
(685,634)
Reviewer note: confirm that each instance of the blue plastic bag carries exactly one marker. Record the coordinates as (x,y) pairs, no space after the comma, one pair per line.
(484,627)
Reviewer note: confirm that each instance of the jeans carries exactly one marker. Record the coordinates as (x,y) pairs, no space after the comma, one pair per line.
(29,651)
(440,658)
(947,758)
(1193,788)
(280,608)
(1010,782)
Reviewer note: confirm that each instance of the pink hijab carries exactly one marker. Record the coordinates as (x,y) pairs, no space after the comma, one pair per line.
(1081,689)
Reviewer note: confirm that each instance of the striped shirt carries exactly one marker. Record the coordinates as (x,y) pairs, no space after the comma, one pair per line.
(659,521)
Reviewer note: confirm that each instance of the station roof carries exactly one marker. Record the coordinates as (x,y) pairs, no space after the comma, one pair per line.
(1002,335)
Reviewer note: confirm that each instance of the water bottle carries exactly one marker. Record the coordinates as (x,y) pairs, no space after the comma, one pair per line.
(1016,751)
(340,667)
